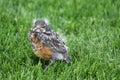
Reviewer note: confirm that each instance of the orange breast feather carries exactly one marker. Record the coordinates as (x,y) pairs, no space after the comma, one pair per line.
(41,50)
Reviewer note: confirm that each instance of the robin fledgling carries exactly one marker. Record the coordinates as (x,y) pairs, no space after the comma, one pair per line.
(46,43)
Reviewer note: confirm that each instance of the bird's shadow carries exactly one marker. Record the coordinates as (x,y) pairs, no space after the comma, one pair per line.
(36,60)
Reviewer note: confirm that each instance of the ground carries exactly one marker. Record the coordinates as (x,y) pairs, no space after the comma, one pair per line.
(91,29)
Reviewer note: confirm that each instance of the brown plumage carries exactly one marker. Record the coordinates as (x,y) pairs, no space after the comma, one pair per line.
(46,43)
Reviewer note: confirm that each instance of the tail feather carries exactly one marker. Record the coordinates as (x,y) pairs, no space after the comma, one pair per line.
(68,59)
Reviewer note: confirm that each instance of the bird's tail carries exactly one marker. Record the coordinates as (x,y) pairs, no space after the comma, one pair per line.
(68,59)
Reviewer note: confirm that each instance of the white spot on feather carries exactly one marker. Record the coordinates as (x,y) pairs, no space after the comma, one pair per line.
(38,30)
(34,20)
(46,21)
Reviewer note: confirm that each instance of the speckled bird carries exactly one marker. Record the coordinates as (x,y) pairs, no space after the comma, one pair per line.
(46,43)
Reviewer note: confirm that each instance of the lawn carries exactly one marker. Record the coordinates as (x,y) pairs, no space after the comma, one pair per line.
(91,29)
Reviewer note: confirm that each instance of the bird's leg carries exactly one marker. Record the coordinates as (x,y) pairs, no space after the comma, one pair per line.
(39,62)
(46,66)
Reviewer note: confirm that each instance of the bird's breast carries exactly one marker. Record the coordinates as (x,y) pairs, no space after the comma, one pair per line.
(40,49)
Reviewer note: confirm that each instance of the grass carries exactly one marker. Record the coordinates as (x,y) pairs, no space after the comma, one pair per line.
(92,30)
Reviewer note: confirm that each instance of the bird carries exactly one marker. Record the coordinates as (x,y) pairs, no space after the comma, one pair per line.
(46,43)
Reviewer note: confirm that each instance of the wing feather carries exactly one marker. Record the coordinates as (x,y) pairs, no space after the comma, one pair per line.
(52,40)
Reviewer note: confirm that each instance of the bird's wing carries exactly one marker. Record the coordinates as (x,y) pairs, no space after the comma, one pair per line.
(52,40)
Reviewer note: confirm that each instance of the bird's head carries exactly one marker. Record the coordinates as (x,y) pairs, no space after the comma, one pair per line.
(42,25)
